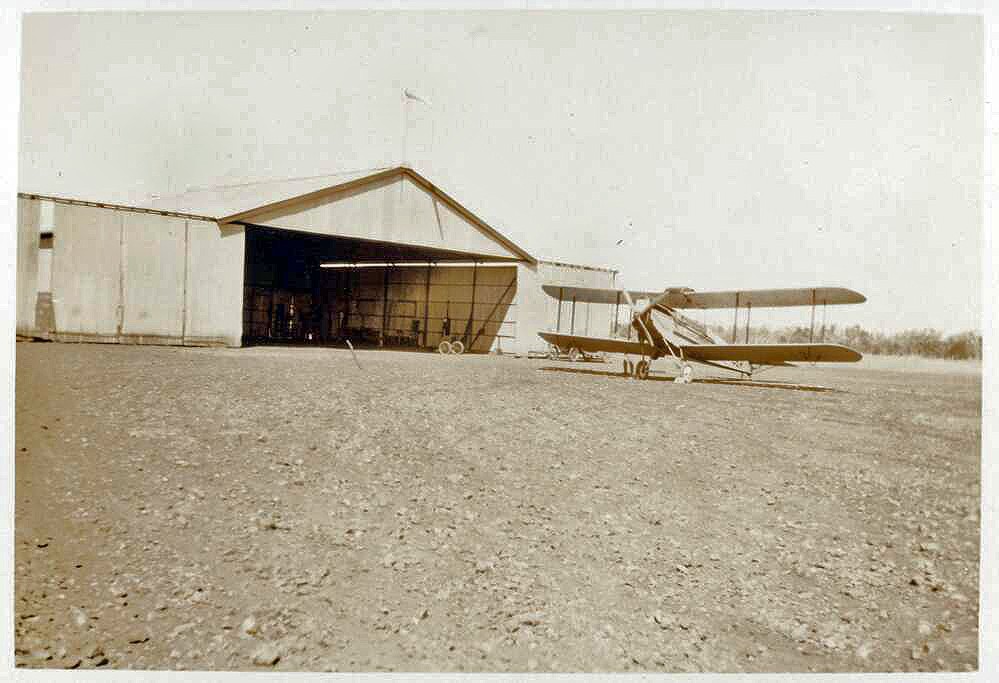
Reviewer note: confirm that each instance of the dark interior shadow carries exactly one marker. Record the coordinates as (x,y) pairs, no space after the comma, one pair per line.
(658,377)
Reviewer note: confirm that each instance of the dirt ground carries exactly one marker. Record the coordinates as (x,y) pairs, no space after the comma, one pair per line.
(283,508)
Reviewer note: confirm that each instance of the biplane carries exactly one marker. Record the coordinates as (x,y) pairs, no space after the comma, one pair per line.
(661,331)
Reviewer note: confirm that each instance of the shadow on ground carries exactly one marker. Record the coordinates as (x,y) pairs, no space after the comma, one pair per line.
(699,380)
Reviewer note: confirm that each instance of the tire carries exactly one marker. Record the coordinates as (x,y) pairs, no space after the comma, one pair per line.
(642,369)
(444,347)
(457,348)
(574,354)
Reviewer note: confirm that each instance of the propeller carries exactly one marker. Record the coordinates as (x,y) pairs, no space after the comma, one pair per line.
(637,315)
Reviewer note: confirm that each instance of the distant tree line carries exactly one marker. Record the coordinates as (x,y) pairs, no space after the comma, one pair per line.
(926,342)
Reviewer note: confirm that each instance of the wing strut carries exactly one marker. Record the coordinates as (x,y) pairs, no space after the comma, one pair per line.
(735,322)
(558,318)
(811,330)
(617,305)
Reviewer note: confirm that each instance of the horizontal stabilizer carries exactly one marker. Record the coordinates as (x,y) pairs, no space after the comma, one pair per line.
(772,354)
(761,298)
(596,344)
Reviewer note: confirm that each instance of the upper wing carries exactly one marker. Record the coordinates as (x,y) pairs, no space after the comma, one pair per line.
(593,295)
(772,354)
(596,344)
(761,298)
(682,297)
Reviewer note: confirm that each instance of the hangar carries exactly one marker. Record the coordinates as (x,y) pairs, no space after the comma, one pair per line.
(381,257)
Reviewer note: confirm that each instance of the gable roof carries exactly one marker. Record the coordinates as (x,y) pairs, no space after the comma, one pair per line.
(241,203)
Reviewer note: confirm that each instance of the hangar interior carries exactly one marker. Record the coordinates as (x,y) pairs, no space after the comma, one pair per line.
(314,289)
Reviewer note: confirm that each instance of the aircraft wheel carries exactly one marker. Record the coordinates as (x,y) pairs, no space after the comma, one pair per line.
(642,369)
(444,347)
(457,347)
(573,354)
(628,368)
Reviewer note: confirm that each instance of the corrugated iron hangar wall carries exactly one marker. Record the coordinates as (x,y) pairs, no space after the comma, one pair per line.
(131,276)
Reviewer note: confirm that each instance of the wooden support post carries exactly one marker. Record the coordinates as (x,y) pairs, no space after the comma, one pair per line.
(822,331)
(572,317)
(385,304)
(735,323)
(270,313)
(426,311)
(348,289)
(471,312)
(749,311)
(617,304)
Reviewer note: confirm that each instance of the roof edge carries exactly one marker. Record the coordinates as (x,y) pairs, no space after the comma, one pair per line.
(579,266)
(116,207)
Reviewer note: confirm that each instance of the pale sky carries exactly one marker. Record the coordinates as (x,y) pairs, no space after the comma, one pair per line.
(726,149)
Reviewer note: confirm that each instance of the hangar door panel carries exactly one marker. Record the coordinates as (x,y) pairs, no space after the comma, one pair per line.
(154,256)
(86,271)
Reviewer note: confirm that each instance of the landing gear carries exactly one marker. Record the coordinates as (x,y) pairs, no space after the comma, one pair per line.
(639,370)
(686,374)
(574,354)
(642,369)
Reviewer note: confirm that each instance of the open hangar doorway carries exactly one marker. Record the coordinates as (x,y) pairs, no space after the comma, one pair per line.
(309,289)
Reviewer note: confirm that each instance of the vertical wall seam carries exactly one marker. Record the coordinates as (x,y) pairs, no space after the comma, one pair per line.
(183,305)
(121,278)
(52,273)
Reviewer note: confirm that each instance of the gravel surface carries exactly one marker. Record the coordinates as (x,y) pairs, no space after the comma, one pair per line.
(285,509)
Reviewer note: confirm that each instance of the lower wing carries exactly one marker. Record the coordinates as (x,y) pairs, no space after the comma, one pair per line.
(772,354)
(758,354)
(596,344)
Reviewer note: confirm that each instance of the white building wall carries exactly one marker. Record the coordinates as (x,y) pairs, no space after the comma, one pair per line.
(131,277)
(86,273)
(538,312)
(153,260)
(214,293)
